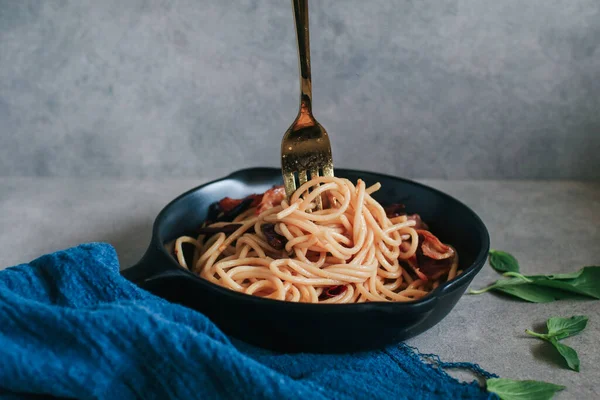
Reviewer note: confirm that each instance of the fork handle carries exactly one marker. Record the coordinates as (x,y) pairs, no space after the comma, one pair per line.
(301,19)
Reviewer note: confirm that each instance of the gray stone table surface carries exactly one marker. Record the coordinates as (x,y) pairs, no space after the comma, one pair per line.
(549,226)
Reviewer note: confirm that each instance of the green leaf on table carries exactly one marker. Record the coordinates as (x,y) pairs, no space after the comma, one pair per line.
(568,353)
(586,281)
(568,275)
(501,283)
(522,287)
(508,389)
(502,261)
(547,288)
(561,328)
(535,294)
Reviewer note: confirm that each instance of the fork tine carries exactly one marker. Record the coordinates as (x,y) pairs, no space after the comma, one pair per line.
(328,170)
(290,183)
(314,173)
(302,178)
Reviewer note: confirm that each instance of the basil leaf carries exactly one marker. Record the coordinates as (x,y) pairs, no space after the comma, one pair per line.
(500,283)
(524,290)
(508,389)
(547,288)
(569,275)
(561,328)
(533,293)
(587,282)
(568,353)
(502,261)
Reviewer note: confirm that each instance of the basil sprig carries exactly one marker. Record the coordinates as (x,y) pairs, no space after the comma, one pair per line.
(508,389)
(561,328)
(502,261)
(584,283)
(581,284)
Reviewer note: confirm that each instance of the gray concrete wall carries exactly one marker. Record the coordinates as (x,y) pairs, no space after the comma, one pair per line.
(427,88)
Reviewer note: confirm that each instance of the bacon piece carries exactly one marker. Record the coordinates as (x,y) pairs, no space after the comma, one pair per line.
(433,269)
(333,291)
(414,265)
(213,213)
(230,228)
(405,246)
(426,268)
(274,239)
(394,210)
(232,213)
(271,198)
(419,222)
(432,247)
(432,258)
(227,204)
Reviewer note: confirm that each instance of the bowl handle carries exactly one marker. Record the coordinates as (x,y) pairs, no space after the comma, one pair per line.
(135,274)
(153,265)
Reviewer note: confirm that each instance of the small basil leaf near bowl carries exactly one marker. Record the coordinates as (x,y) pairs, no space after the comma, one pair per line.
(561,328)
(508,389)
(568,353)
(502,261)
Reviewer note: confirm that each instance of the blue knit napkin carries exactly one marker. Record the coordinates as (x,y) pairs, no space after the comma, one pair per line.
(71,326)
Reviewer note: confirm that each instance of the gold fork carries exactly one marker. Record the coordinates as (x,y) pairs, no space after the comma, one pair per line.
(305,148)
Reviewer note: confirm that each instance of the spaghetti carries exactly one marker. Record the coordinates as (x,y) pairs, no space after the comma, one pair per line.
(353,250)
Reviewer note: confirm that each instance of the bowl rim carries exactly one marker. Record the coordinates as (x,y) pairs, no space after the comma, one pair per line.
(426,301)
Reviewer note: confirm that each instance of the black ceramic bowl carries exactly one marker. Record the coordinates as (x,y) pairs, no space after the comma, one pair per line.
(294,327)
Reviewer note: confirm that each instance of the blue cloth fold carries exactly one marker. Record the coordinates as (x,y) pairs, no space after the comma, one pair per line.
(72,327)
